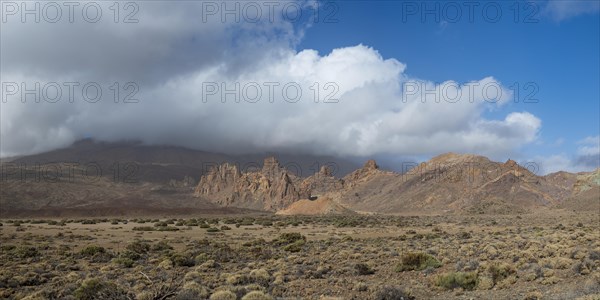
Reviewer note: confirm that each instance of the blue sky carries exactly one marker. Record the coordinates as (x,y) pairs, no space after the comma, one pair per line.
(559,54)
(369,50)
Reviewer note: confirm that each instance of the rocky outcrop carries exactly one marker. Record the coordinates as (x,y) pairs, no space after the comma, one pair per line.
(270,188)
(321,183)
(448,183)
(585,195)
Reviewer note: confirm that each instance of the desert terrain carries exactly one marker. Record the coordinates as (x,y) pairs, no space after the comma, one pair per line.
(458,226)
(553,255)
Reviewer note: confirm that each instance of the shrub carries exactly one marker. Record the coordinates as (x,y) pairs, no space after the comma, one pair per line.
(295,246)
(192,291)
(7,247)
(92,250)
(138,247)
(25,251)
(500,271)
(97,289)
(128,254)
(464,235)
(124,261)
(167,228)
(183,260)
(160,224)
(288,238)
(239,279)
(143,228)
(260,276)
(363,269)
(452,280)
(223,295)
(393,293)
(417,261)
(256,295)
(161,246)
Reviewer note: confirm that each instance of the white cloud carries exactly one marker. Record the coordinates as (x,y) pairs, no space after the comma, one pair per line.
(587,158)
(560,10)
(589,146)
(375,113)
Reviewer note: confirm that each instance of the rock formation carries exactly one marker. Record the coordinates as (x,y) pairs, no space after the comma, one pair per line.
(270,188)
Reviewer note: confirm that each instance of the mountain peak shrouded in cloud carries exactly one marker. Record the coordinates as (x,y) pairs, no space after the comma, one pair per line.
(236,87)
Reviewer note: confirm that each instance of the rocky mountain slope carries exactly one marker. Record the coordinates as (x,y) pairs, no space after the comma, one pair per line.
(449,183)
(270,188)
(161,163)
(119,178)
(585,195)
(95,178)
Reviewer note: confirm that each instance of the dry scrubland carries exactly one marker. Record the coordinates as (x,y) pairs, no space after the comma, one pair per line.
(555,255)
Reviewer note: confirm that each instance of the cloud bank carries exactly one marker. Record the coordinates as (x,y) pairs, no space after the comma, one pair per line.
(238,87)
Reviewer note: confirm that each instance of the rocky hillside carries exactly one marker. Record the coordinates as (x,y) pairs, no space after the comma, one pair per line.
(271,188)
(449,183)
(585,195)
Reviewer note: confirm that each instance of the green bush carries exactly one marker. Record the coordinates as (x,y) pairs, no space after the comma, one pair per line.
(295,246)
(138,247)
(92,250)
(452,280)
(183,260)
(161,246)
(288,238)
(124,261)
(415,261)
(128,254)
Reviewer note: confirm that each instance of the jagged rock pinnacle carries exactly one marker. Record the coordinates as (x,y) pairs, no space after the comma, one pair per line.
(371,165)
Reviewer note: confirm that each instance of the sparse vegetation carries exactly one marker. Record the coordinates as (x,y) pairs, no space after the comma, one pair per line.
(415,261)
(453,255)
(453,280)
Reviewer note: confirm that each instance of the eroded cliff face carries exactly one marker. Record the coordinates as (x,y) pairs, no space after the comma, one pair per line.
(459,183)
(271,188)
